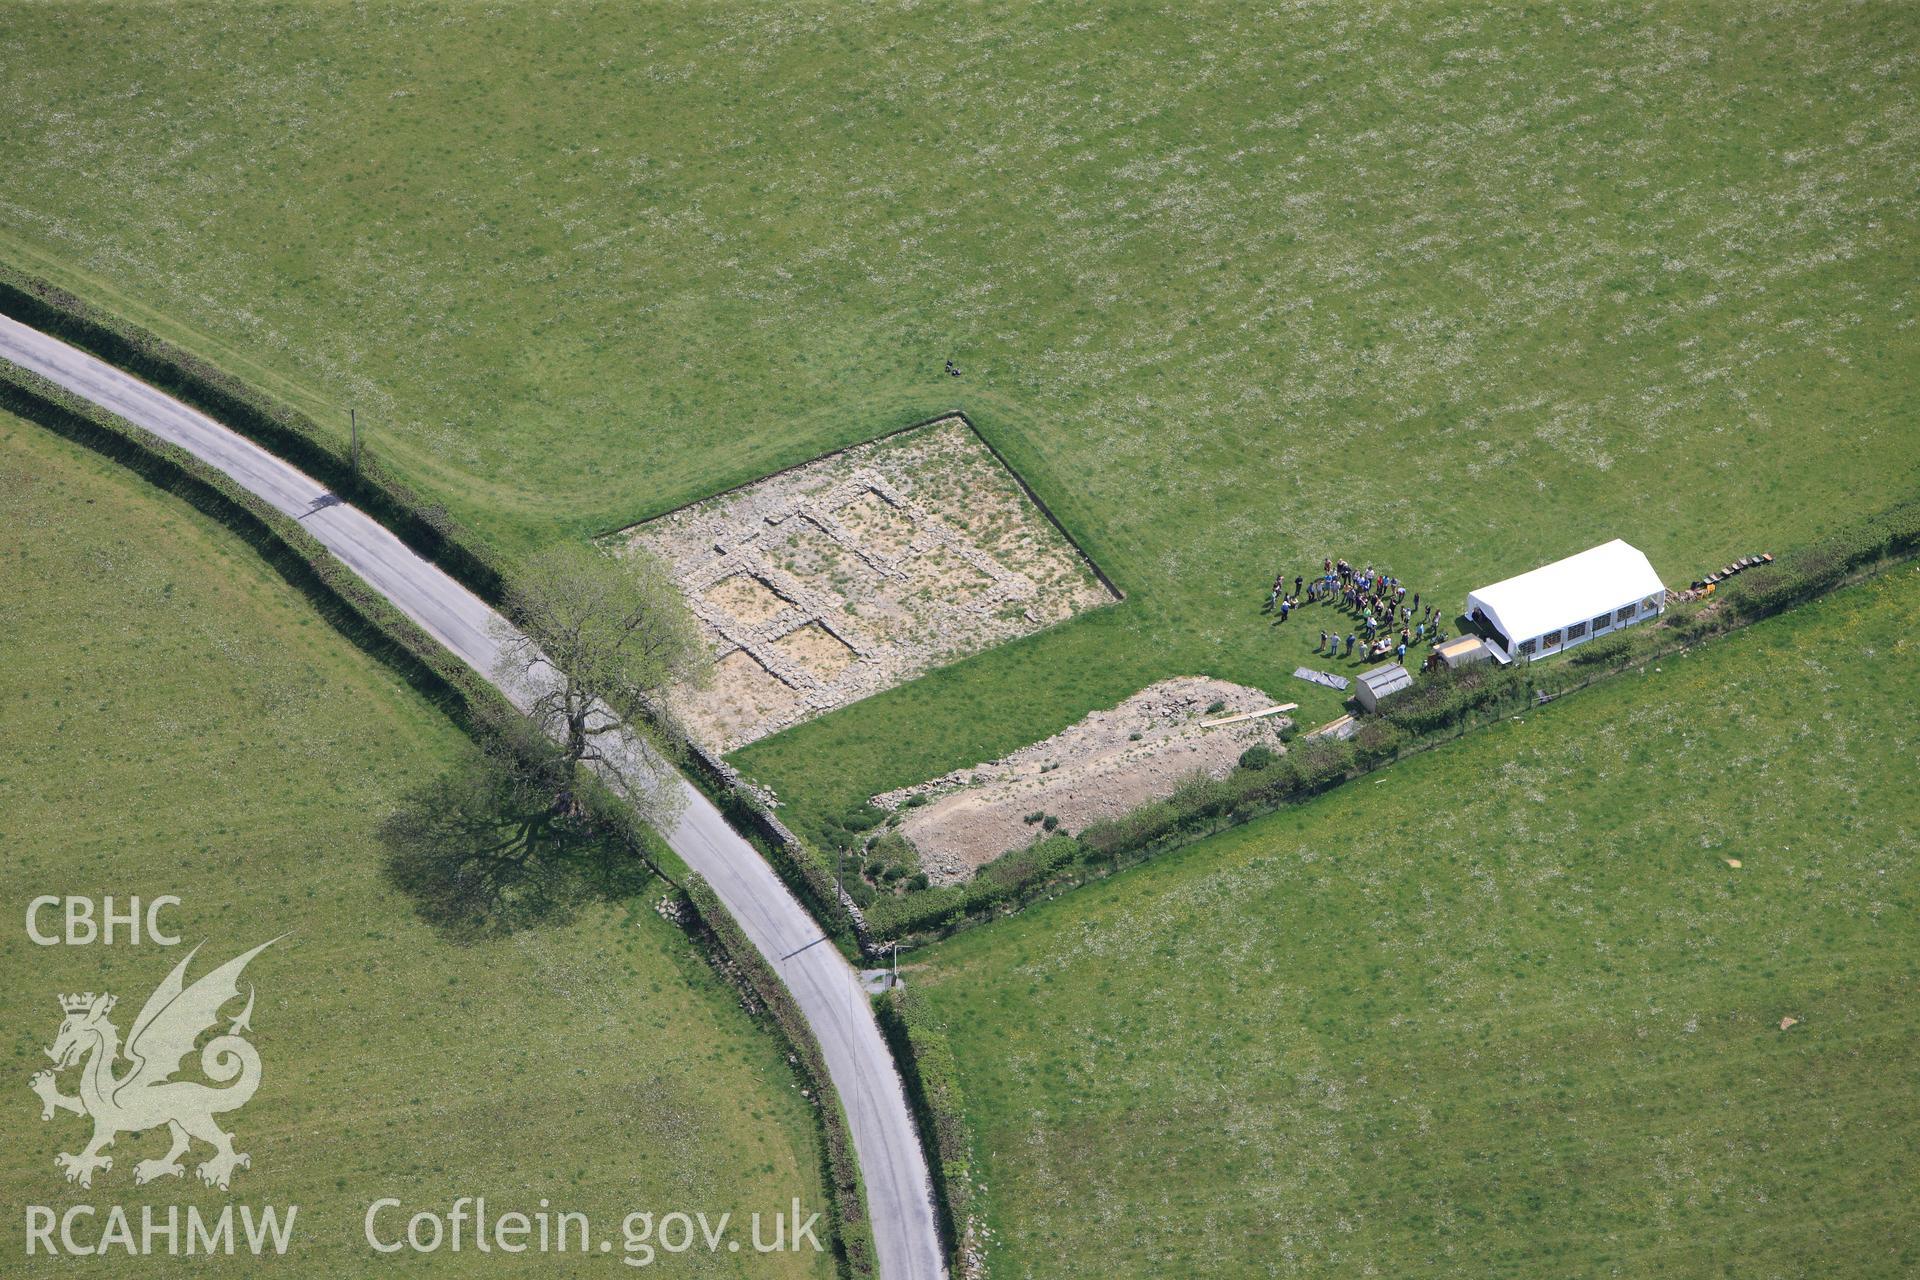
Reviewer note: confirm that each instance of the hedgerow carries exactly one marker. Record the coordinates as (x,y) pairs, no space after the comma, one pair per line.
(806,875)
(343,598)
(424,526)
(932,1075)
(1803,573)
(852,1241)
(378,627)
(1443,699)
(1440,706)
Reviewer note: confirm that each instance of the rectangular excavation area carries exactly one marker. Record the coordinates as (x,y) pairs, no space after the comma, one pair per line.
(746,693)
(746,599)
(1103,766)
(822,653)
(858,571)
(877,525)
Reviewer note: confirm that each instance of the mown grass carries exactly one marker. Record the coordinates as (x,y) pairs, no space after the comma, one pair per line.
(176,720)
(1457,290)
(1504,1009)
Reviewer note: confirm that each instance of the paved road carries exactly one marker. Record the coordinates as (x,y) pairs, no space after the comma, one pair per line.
(892,1164)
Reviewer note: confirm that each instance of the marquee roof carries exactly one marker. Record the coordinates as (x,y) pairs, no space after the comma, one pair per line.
(1598,580)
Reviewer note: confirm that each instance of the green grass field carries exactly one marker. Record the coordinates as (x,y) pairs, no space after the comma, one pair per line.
(176,719)
(1453,289)
(1502,1010)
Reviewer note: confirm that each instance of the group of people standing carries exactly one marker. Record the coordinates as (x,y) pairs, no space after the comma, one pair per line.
(1378,603)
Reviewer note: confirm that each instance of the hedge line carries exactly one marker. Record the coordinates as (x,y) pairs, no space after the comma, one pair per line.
(362,614)
(852,1236)
(932,1075)
(372,622)
(379,628)
(424,526)
(804,873)
(1441,706)
(1818,567)
(367,618)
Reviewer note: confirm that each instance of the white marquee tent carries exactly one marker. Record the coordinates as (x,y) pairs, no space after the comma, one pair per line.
(1567,602)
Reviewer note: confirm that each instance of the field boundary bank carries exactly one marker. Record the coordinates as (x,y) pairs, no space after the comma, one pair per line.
(1086,557)
(1447,709)
(373,625)
(932,1076)
(785,852)
(359,613)
(423,526)
(736,958)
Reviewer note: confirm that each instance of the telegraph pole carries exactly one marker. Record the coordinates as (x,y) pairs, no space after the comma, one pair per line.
(353,423)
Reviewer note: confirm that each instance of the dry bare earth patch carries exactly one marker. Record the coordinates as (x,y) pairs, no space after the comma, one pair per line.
(857,571)
(1103,766)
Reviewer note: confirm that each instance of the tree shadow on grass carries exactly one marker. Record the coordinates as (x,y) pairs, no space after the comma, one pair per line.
(505,844)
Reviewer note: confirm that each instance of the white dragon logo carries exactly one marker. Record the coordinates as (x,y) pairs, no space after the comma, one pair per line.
(143,1098)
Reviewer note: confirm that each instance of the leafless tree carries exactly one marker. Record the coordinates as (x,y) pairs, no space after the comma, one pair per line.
(600,637)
